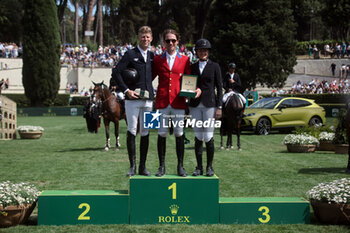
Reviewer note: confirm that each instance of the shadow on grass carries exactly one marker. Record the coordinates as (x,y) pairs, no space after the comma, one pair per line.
(83,149)
(315,171)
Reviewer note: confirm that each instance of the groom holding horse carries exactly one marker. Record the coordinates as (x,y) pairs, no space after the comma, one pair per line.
(134,72)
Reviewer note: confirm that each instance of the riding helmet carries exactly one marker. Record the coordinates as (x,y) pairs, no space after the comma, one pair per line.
(130,76)
(203,44)
(232,65)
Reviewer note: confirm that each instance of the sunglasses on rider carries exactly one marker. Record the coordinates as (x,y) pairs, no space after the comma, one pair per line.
(172,40)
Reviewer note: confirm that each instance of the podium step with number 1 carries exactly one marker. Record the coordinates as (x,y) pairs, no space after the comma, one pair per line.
(173,199)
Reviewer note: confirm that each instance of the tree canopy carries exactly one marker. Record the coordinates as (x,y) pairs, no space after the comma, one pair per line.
(41,51)
(258,36)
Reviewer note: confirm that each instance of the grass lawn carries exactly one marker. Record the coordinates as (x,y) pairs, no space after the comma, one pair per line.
(67,157)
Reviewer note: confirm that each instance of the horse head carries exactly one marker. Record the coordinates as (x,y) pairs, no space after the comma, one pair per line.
(98,90)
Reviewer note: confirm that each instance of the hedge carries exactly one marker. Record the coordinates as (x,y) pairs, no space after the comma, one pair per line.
(23,101)
(79,100)
(303,46)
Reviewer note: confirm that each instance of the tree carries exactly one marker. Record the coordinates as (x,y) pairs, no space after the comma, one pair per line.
(41,51)
(76,21)
(11,13)
(307,15)
(99,23)
(91,5)
(336,15)
(202,12)
(258,36)
(61,7)
(132,14)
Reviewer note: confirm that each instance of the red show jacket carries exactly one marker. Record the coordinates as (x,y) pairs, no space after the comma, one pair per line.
(170,80)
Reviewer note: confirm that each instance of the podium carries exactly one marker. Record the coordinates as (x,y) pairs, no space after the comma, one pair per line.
(264,210)
(62,207)
(167,200)
(173,199)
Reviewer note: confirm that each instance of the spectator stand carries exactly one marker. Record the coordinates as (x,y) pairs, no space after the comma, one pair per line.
(8,118)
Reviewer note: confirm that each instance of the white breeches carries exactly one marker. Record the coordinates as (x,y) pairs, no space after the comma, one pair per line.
(134,114)
(203,113)
(176,115)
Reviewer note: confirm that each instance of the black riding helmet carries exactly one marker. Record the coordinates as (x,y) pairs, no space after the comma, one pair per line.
(232,65)
(130,76)
(203,44)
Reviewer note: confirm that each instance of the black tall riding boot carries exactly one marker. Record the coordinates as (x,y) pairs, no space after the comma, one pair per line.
(144,141)
(180,151)
(210,157)
(130,141)
(198,148)
(161,144)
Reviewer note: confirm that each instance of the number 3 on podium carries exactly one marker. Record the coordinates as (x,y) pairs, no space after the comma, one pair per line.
(265,213)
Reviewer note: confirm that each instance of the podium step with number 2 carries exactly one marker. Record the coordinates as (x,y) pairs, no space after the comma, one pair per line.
(59,207)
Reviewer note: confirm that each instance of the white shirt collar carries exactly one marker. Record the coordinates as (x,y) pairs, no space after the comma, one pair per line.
(202,65)
(170,56)
(143,53)
(231,75)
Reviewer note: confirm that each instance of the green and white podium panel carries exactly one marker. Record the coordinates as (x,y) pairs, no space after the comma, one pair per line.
(172,199)
(264,210)
(58,207)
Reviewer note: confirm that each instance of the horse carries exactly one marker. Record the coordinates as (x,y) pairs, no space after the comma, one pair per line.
(111,111)
(231,120)
(347,124)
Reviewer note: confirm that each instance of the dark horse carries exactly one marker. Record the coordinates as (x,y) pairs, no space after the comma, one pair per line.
(231,120)
(111,111)
(347,123)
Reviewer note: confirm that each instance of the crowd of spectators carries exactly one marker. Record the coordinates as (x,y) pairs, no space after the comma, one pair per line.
(338,50)
(335,86)
(108,56)
(10,50)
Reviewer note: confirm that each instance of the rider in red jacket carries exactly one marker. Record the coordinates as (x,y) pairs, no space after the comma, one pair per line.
(169,67)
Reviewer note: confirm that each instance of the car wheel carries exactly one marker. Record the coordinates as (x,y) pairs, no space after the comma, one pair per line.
(263,126)
(315,121)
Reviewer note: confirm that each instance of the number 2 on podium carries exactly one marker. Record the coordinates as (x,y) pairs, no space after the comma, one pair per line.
(87,209)
(173,187)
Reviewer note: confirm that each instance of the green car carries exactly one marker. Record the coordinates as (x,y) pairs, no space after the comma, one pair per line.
(282,113)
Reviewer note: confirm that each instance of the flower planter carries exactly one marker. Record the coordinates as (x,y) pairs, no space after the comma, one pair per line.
(341,148)
(298,148)
(30,134)
(14,215)
(326,146)
(332,213)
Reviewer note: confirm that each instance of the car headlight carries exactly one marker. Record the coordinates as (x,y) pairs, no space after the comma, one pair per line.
(250,114)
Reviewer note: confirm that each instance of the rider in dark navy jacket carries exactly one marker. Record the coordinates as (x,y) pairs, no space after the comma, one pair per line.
(134,59)
(141,60)
(232,81)
(207,106)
